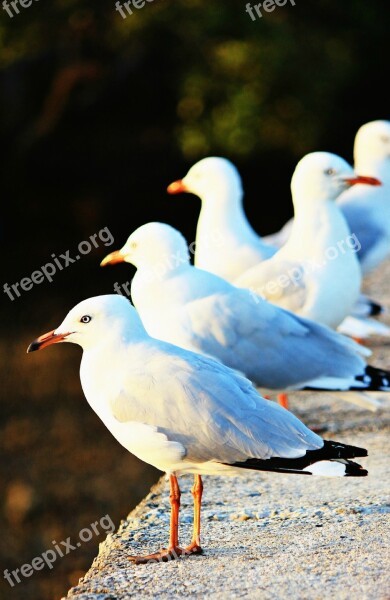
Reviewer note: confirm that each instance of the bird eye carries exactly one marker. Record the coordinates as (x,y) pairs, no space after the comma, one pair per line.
(85,319)
(330,172)
(133,245)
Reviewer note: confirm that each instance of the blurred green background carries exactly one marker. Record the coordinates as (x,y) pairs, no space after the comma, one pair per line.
(98,115)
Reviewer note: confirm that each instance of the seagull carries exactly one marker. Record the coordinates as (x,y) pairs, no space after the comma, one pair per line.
(185,413)
(316,274)
(226,244)
(201,312)
(367,209)
(367,212)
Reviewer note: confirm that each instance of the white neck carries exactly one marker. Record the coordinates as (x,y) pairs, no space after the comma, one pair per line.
(320,225)
(221,215)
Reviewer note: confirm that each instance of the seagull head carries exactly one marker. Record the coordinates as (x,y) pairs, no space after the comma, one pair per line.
(212,178)
(93,322)
(372,149)
(157,247)
(322,176)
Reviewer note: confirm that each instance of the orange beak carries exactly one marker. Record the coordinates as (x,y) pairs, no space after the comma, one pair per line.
(112,259)
(47,339)
(177,187)
(363,179)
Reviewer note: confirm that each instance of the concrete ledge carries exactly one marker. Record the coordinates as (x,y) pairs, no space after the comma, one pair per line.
(266,535)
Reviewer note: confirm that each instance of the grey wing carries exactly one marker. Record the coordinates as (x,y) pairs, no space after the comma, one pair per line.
(237,423)
(362,223)
(212,412)
(271,346)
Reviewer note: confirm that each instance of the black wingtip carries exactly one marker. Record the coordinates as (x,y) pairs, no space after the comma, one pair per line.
(376,309)
(352,469)
(374,379)
(332,450)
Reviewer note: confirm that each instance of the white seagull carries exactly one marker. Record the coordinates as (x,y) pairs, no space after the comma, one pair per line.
(367,212)
(226,244)
(316,274)
(185,413)
(367,209)
(199,311)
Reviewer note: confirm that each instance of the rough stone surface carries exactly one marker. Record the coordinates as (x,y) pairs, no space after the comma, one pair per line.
(267,535)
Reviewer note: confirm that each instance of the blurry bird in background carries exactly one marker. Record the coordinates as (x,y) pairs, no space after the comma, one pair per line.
(367,212)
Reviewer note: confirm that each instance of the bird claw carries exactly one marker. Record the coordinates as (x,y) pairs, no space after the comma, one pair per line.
(166,554)
(193,548)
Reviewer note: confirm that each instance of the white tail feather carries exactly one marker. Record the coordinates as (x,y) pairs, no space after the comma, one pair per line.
(327,468)
(363,327)
(362,399)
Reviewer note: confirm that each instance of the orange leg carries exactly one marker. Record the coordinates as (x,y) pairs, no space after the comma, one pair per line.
(197,491)
(174,497)
(283,400)
(174,550)
(360,341)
